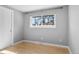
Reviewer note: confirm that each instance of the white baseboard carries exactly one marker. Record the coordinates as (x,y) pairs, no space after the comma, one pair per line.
(43,43)
(70,51)
(18,42)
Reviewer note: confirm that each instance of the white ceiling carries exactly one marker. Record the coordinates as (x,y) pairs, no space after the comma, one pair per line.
(28,8)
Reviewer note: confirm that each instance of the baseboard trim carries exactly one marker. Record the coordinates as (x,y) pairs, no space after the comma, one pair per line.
(43,43)
(18,42)
(70,51)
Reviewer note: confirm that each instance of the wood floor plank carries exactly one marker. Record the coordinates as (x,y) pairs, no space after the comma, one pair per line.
(31,48)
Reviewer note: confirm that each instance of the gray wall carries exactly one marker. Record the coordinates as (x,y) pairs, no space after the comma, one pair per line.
(56,35)
(18,26)
(74,28)
(5,26)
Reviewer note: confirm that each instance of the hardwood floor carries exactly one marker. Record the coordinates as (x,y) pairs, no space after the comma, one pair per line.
(31,48)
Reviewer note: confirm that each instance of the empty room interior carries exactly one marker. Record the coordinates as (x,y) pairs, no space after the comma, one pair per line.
(39,29)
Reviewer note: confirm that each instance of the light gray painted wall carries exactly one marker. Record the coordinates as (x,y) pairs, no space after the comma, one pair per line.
(5,26)
(56,35)
(74,28)
(18,26)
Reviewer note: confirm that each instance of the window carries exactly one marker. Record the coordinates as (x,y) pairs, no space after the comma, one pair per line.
(46,21)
